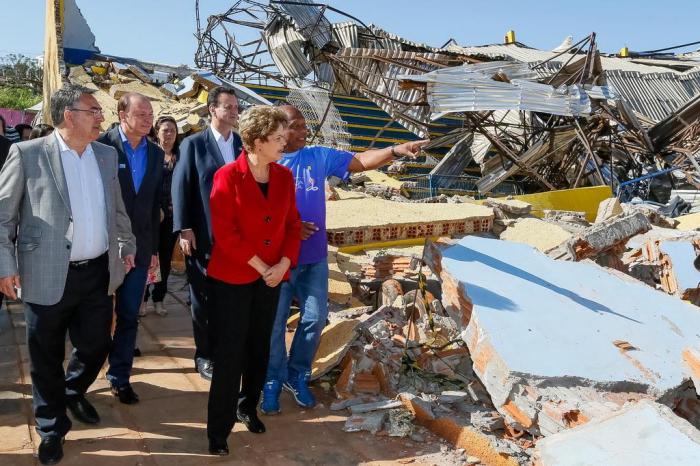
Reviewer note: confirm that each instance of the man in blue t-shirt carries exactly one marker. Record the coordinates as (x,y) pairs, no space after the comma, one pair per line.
(309,280)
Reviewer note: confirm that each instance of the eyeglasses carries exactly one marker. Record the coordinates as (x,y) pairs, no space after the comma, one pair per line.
(96,112)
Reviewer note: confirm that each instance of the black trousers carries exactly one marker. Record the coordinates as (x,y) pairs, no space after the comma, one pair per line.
(241,320)
(200,306)
(165,257)
(85,312)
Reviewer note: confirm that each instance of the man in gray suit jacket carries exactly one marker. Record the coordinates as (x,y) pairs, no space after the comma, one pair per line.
(61,202)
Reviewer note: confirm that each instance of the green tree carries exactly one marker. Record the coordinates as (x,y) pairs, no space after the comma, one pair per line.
(19,71)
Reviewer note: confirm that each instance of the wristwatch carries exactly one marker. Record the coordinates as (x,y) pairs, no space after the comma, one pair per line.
(393,152)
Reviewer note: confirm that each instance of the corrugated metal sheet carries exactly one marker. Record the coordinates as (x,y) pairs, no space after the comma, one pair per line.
(653,91)
(285,46)
(346,34)
(310,21)
(471,88)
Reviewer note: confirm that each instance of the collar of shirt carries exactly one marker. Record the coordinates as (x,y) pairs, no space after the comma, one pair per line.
(127,144)
(219,137)
(63,147)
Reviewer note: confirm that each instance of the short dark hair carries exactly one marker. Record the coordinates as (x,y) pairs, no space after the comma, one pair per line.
(213,97)
(64,98)
(41,130)
(168,119)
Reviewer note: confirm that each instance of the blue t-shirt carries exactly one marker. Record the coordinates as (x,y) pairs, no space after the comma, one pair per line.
(310,167)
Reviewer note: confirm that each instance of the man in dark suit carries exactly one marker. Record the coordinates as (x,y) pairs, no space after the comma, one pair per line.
(140,177)
(201,155)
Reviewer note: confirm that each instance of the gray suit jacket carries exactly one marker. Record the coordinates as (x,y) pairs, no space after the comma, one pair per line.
(35,211)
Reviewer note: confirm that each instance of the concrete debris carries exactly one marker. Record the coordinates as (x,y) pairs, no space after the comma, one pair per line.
(607,209)
(652,214)
(688,222)
(370,422)
(611,234)
(571,217)
(537,233)
(371,220)
(379,405)
(642,434)
(677,274)
(400,423)
(502,295)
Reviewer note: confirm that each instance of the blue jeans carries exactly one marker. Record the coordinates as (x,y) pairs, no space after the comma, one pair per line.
(129,298)
(309,284)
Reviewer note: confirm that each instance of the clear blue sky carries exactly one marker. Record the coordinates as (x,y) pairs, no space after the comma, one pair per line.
(162,30)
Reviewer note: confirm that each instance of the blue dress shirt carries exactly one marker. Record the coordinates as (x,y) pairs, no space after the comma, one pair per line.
(137,158)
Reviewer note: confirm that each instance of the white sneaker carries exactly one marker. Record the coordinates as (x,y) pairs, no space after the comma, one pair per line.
(160,309)
(142,310)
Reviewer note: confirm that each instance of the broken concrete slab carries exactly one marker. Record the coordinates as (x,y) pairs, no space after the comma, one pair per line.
(370,422)
(608,209)
(662,234)
(377,406)
(608,235)
(336,339)
(643,434)
(688,222)
(537,233)
(339,289)
(691,357)
(507,297)
(513,207)
(678,276)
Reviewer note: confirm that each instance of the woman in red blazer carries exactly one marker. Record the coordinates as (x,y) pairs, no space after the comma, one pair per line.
(256,230)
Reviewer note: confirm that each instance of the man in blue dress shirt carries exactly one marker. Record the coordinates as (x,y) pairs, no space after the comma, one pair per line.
(140,175)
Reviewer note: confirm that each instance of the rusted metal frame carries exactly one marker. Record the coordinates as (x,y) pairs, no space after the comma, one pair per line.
(573,55)
(511,156)
(348,69)
(584,140)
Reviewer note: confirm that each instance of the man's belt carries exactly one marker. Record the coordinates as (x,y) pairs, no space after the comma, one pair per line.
(78,265)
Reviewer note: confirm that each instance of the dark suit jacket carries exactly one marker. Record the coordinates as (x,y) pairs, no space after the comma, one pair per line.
(200,158)
(246,223)
(4,150)
(143,207)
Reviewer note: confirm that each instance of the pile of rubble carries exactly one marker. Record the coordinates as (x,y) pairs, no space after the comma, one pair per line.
(519,353)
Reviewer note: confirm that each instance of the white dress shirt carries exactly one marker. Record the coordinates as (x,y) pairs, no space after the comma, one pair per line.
(87,202)
(226,147)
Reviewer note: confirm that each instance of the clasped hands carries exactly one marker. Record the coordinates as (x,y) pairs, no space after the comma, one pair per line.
(272,275)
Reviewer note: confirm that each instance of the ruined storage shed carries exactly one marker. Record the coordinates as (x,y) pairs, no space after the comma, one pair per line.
(559,343)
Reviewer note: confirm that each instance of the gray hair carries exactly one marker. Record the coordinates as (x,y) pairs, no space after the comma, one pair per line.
(66,97)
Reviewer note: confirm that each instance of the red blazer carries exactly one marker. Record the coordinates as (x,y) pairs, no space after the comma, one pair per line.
(245,223)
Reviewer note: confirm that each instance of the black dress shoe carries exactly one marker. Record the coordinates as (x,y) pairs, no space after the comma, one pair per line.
(51,449)
(82,410)
(126,394)
(218,447)
(252,422)
(205,368)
